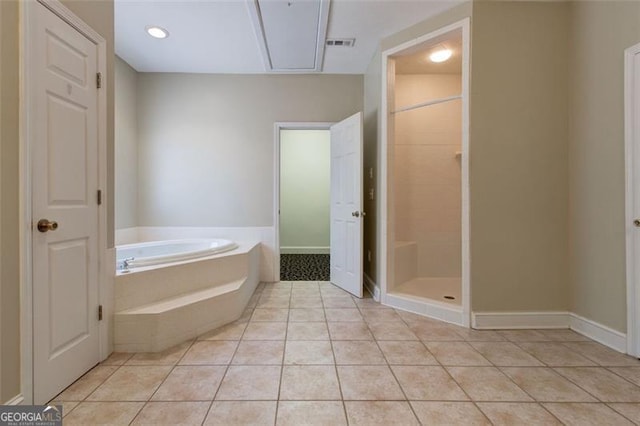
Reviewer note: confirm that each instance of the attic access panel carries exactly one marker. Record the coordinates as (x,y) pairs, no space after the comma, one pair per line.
(291,34)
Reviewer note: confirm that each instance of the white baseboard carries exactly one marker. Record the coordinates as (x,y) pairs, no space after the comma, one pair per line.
(530,320)
(519,320)
(598,332)
(372,287)
(304,250)
(16,400)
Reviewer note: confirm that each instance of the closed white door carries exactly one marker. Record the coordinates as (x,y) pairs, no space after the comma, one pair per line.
(63,124)
(346,204)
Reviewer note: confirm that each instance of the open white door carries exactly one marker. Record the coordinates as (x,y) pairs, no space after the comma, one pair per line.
(63,123)
(346,204)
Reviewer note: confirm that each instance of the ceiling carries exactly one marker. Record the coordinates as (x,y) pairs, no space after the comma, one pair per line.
(223,36)
(416,60)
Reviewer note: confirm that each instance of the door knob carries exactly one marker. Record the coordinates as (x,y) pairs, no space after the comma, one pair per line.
(637,223)
(45,225)
(355,214)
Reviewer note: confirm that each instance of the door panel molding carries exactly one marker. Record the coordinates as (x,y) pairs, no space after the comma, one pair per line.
(105,270)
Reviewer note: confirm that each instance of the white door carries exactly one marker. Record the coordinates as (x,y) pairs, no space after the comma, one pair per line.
(63,122)
(346,204)
(632,159)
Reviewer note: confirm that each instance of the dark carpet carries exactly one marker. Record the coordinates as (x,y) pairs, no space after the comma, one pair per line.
(304,267)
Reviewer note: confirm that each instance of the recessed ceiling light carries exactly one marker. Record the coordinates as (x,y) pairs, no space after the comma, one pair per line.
(157,32)
(440,55)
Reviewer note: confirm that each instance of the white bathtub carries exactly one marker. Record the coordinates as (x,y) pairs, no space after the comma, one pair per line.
(137,255)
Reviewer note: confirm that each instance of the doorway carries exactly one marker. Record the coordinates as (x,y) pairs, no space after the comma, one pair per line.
(426,182)
(305,180)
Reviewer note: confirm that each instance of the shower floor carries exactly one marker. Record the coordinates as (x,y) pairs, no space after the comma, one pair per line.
(435,288)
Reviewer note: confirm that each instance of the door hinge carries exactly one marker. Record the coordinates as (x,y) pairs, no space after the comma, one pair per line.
(99,197)
(99,80)
(99,312)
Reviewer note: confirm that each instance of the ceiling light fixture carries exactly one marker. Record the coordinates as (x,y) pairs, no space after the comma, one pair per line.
(157,32)
(440,55)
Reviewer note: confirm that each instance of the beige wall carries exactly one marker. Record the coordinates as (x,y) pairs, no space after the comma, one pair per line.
(99,15)
(126,145)
(207,141)
(599,33)
(305,177)
(427,172)
(519,156)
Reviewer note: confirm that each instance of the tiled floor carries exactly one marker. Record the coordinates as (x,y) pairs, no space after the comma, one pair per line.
(308,353)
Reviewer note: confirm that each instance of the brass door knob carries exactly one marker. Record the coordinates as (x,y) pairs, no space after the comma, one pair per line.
(45,225)
(637,223)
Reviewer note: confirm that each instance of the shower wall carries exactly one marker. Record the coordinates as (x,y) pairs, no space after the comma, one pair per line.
(427,174)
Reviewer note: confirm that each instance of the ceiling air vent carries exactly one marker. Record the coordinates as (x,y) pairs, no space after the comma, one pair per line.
(341,42)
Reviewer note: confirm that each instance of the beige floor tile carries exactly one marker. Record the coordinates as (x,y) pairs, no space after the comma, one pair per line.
(96,413)
(630,410)
(487,384)
(242,413)
(307,331)
(67,406)
(603,355)
(276,292)
(187,383)
(428,383)
(310,413)
(232,331)
(379,315)
(556,354)
(172,413)
(449,413)
(309,383)
(505,354)
(167,357)
(308,352)
(349,331)
(525,413)
(584,414)
(471,335)
(246,315)
(86,384)
(367,302)
(253,301)
(255,383)
(270,314)
(601,383)
(372,413)
(371,383)
(408,353)
(524,335)
(544,384)
(304,315)
(313,291)
(304,284)
(428,332)
(131,383)
(259,352)
(210,352)
(117,358)
(342,315)
(630,373)
(267,301)
(456,353)
(391,330)
(338,302)
(265,331)
(306,302)
(564,335)
(357,352)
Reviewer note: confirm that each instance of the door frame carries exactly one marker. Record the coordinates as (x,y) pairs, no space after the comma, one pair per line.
(278,126)
(383,232)
(106,271)
(632,149)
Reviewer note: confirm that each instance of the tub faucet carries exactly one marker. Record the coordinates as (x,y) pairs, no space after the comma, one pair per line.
(125,262)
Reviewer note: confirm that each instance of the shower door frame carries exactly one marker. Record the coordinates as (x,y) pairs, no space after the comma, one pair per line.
(436,309)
